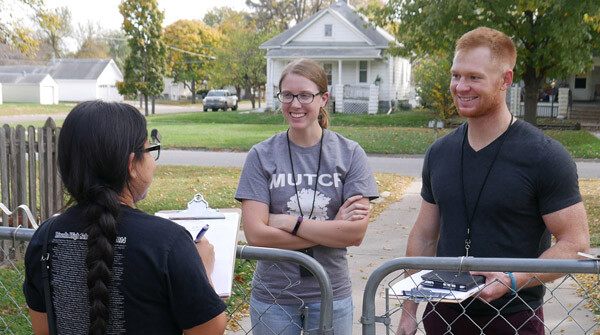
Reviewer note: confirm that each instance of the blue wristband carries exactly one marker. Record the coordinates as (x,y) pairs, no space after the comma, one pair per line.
(513,283)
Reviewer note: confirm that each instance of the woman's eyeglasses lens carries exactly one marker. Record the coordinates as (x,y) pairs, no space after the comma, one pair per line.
(303,98)
(154,150)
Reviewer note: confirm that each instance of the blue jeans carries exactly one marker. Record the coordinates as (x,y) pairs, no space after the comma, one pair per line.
(270,319)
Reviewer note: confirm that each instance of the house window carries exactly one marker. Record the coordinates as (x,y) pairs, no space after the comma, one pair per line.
(328,67)
(328,30)
(580,82)
(362,71)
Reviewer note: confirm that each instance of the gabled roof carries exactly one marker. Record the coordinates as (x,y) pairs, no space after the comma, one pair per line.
(375,37)
(83,69)
(23,69)
(76,69)
(22,79)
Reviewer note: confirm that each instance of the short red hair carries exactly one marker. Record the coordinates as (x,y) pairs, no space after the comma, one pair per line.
(501,47)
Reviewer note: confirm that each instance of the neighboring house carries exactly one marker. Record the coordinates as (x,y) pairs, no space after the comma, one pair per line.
(29,87)
(175,91)
(586,87)
(79,79)
(362,75)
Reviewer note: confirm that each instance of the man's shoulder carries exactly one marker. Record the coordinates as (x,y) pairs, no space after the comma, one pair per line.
(450,141)
(529,139)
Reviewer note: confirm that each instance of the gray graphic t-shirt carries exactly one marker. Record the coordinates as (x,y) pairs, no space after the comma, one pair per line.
(267,177)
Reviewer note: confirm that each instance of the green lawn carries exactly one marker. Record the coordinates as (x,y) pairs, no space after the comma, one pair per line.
(12,108)
(398,133)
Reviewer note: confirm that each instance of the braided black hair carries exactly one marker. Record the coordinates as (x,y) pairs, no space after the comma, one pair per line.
(94,146)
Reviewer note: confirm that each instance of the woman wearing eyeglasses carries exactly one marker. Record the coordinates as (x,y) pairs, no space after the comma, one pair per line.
(114,269)
(305,189)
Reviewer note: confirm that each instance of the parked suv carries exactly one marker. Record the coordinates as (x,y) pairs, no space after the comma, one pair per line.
(220,99)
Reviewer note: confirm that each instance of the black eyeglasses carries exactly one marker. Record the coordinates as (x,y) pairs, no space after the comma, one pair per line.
(154,150)
(154,147)
(303,98)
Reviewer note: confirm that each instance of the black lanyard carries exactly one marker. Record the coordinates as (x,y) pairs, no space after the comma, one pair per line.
(462,179)
(287,135)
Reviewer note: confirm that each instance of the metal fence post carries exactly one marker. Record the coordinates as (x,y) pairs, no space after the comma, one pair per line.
(260,253)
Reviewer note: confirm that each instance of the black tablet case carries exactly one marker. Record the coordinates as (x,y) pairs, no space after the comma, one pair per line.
(450,280)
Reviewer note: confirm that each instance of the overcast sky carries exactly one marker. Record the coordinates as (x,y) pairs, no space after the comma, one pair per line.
(107,11)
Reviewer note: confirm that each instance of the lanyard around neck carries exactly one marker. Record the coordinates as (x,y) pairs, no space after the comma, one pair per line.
(462,179)
(287,135)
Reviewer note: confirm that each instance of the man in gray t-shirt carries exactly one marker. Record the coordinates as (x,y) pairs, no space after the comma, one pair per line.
(267,177)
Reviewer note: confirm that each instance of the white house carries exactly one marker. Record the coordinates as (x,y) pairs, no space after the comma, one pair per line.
(86,79)
(29,87)
(586,87)
(175,91)
(79,79)
(0,93)
(362,75)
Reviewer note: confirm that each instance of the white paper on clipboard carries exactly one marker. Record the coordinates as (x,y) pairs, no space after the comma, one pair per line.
(411,288)
(222,234)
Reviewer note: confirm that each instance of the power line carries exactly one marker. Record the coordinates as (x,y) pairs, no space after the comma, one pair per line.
(191,53)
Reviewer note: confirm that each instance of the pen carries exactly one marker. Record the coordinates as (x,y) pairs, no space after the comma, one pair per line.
(201,233)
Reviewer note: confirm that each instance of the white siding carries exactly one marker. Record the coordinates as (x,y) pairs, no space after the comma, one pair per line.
(316,31)
(350,72)
(48,91)
(107,83)
(0,93)
(47,95)
(381,68)
(76,90)
(21,93)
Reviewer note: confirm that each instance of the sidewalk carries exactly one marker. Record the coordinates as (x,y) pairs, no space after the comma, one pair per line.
(386,239)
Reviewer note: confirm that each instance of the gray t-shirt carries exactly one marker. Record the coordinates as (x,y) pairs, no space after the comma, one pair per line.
(267,177)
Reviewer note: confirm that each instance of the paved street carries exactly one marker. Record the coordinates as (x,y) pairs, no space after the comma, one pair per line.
(404,165)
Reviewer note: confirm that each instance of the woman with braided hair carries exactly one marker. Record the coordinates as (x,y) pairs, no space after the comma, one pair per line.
(115,269)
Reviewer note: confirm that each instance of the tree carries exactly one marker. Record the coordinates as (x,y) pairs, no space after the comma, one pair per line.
(147,62)
(118,49)
(13,32)
(282,14)
(216,16)
(55,25)
(553,40)
(191,46)
(432,85)
(91,43)
(240,62)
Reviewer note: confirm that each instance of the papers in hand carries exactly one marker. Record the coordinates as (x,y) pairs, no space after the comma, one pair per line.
(224,227)
(197,209)
(411,288)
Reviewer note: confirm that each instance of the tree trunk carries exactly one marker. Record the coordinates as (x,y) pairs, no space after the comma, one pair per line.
(238,91)
(193,92)
(532,86)
(153,104)
(249,91)
(146,102)
(141,100)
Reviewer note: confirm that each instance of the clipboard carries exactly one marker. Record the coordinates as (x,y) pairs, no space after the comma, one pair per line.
(411,288)
(223,235)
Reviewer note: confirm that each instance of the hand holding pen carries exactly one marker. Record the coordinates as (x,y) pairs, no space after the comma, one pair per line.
(201,233)
(206,250)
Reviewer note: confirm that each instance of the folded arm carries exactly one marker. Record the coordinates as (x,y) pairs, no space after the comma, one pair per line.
(255,218)
(346,229)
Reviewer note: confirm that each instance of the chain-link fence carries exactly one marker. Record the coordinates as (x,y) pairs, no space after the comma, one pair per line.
(567,307)
(14,315)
